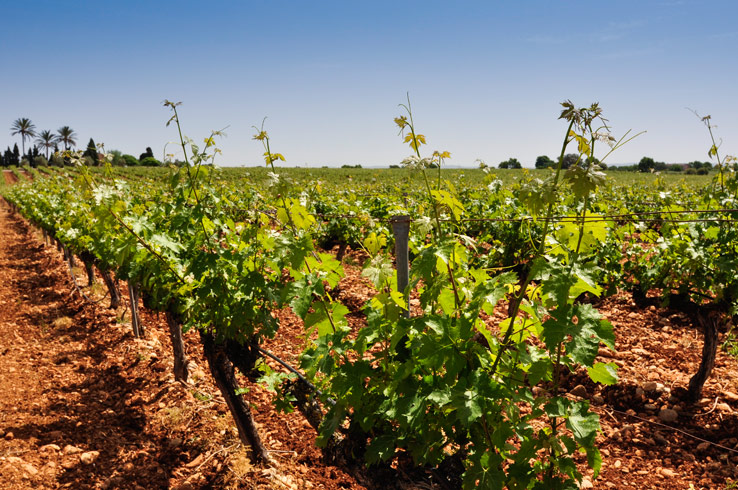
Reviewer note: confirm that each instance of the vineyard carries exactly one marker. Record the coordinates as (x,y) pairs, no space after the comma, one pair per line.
(412,328)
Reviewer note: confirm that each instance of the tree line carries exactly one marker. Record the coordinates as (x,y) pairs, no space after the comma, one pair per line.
(45,148)
(646,164)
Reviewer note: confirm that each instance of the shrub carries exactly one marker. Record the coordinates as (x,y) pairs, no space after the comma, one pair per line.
(511,163)
(131,161)
(57,160)
(544,161)
(570,159)
(150,162)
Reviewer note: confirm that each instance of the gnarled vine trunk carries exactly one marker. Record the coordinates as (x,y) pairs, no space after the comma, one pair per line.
(223,371)
(180,358)
(114,296)
(90,273)
(138,330)
(709,350)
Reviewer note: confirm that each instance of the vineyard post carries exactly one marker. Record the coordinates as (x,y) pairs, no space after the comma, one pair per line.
(46,236)
(401,232)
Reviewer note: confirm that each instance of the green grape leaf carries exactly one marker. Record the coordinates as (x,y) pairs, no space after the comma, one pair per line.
(380,448)
(583,423)
(605,374)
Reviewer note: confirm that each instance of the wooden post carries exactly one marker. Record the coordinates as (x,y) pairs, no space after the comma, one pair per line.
(401,232)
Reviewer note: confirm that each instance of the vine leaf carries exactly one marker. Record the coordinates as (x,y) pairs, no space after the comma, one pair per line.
(605,374)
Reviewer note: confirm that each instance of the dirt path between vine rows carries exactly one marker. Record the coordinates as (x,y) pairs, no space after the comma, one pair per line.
(84,405)
(66,420)
(9,177)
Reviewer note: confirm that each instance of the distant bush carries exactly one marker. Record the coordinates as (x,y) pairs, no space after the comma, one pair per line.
(40,161)
(544,161)
(511,163)
(697,165)
(570,159)
(130,160)
(351,166)
(57,160)
(648,164)
(150,162)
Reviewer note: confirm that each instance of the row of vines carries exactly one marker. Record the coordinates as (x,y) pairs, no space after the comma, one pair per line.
(430,379)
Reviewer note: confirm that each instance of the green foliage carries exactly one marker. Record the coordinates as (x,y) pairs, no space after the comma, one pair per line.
(56,160)
(67,136)
(648,164)
(91,153)
(544,162)
(24,128)
(424,385)
(150,162)
(510,163)
(47,140)
(130,160)
(571,159)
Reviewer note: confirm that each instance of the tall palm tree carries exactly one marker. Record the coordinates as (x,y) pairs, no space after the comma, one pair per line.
(46,139)
(66,135)
(25,128)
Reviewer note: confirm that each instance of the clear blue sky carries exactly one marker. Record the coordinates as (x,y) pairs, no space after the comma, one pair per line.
(485,77)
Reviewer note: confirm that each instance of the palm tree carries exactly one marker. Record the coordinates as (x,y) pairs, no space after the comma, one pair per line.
(25,128)
(66,135)
(46,139)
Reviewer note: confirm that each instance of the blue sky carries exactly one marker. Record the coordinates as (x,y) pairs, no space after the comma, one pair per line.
(485,78)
